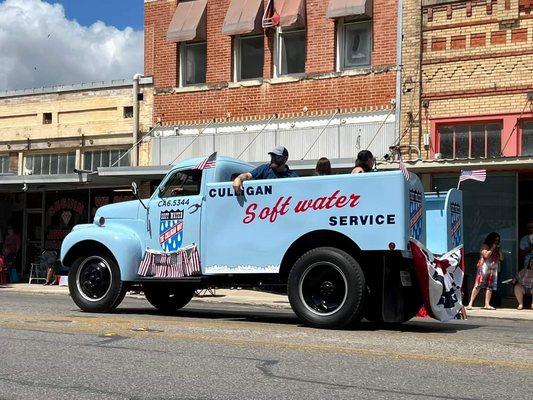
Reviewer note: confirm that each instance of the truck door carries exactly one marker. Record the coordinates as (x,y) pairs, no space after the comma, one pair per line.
(174,212)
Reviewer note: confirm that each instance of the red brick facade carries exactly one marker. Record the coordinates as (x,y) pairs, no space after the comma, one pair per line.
(321,90)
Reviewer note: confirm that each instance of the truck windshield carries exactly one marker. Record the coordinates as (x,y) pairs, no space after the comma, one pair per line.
(182,183)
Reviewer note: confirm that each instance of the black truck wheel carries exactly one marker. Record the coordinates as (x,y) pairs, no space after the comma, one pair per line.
(94,283)
(168,299)
(327,288)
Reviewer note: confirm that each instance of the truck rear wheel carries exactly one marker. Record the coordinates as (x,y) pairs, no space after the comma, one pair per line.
(168,299)
(327,288)
(94,283)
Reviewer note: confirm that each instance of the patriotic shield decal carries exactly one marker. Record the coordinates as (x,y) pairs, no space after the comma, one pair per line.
(171,229)
(415,213)
(456,224)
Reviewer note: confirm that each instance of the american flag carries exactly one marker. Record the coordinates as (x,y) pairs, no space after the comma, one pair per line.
(404,169)
(477,175)
(208,162)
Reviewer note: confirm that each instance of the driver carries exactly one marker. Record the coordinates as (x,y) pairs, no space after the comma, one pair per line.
(277,168)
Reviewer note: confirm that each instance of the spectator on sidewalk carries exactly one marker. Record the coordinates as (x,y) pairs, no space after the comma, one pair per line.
(487,270)
(524,284)
(276,168)
(11,249)
(526,244)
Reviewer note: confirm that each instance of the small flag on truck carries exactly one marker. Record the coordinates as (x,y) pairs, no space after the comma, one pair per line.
(477,175)
(208,162)
(404,169)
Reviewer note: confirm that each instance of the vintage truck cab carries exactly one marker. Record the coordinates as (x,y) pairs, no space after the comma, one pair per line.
(338,243)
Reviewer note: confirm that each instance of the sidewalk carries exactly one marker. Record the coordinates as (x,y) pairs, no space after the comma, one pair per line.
(255,298)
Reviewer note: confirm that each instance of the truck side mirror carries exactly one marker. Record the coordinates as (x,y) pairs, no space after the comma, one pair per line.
(135,191)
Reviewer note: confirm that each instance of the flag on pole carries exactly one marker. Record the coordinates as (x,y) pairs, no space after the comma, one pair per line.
(477,175)
(208,162)
(404,169)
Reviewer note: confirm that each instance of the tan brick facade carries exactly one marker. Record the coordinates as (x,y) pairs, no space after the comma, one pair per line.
(476,61)
(76,119)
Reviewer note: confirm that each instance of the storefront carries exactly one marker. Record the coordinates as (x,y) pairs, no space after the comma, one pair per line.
(43,210)
(502,204)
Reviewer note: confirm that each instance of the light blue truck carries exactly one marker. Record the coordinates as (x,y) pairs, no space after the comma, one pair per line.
(338,243)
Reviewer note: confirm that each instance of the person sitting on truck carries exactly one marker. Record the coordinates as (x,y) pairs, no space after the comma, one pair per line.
(323,167)
(364,163)
(277,168)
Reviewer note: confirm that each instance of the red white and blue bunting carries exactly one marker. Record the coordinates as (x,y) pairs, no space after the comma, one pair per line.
(177,264)
(440,280)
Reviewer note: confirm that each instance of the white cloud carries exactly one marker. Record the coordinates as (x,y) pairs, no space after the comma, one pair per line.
(39,47)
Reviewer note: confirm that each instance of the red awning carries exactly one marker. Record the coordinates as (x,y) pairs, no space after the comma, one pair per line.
(348,8)
(243,16)
(291,12)
(188,22)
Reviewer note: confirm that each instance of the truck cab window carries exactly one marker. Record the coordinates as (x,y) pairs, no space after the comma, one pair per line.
(182,183)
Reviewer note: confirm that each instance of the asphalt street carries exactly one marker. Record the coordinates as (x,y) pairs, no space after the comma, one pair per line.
(51,350)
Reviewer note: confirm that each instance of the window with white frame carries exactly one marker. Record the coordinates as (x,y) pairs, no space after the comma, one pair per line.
(290,52)
(470,140)
(249,57)
(4,164)
(50,164)
(193,63)
(105,158)
(354,44)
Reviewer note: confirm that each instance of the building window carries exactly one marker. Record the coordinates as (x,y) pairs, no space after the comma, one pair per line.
(128,112)
(50,164)
(47,118)
(249,57)
(105,158)
(527,138)
(4,164)
(470,141)
(291,52)
(354,44)
(193,63)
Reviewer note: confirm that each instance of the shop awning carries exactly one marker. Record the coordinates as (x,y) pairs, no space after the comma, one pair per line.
(188,22)
(243,16)
(349,8)
(291,12)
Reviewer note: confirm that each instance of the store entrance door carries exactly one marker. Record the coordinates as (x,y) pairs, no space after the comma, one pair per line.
(33,238)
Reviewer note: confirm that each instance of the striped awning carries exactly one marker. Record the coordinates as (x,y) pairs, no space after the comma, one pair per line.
(349,8)
(188,22)
(243,16)
(291,12)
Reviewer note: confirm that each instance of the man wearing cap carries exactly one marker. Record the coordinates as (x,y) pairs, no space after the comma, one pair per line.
(277,168)
(364,163)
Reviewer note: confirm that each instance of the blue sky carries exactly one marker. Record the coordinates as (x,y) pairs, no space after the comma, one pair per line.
(118,13)
(63,42)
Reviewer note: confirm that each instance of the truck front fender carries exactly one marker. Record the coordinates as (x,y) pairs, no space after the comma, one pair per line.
(122,242)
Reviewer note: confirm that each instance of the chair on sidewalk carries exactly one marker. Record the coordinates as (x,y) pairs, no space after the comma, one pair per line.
(38,272)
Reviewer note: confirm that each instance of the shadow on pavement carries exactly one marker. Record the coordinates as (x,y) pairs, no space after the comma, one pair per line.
(286,317)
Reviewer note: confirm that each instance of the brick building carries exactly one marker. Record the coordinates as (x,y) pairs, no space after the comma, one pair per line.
(327,70)
(468,104)
(48,133)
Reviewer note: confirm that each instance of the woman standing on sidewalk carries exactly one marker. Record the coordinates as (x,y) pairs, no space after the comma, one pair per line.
(487,270)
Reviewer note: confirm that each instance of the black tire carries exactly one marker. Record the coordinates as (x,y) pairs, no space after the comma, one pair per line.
(327,288)
(168,299)
(94,283)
